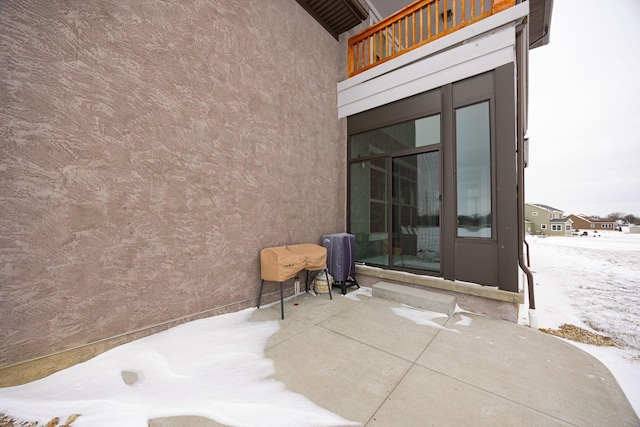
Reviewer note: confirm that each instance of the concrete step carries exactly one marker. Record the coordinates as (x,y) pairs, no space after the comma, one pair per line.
(415,297)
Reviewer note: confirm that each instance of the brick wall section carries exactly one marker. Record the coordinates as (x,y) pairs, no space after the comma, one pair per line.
(149,149)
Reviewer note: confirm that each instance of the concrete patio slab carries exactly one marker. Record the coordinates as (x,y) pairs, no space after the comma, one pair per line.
(532,368)
(345,376)
(374,323)
(425,397)
(316,309)
(360,360)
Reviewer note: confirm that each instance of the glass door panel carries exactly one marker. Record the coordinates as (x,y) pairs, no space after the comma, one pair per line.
(416,211)
(368,216)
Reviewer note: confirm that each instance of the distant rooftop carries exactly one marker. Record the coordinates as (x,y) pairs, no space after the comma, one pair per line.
(547,207)
(592,219)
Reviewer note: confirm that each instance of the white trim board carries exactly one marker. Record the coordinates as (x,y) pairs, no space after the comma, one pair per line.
(485,46)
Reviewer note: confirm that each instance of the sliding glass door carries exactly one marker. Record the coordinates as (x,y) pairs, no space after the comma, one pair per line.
(394,194)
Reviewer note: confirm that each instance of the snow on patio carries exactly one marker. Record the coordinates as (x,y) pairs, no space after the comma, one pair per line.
(214,368)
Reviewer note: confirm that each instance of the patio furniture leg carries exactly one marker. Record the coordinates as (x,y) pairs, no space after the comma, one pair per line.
(260,294)
(281,302)
(306,283)
(328,285)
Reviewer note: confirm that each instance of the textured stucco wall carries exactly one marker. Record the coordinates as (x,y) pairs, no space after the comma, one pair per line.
(149,149)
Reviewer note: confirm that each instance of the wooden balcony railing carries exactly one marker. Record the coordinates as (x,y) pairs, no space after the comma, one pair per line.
(416,25)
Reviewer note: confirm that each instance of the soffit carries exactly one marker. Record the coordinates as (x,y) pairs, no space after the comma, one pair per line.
(336,16)
(539,22)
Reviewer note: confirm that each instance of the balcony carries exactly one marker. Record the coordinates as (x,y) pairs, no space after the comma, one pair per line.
(416,25)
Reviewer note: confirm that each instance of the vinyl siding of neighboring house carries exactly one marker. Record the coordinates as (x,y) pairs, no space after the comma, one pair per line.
(528,226)
(149,151)
(547,220)
(582,222)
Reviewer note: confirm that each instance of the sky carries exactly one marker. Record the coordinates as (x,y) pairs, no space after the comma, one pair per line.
(584,110)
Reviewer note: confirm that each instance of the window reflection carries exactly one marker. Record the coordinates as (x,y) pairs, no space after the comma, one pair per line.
(415,133)
(368,216)
(473,164)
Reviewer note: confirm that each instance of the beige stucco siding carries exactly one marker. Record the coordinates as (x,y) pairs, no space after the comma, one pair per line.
(148,151)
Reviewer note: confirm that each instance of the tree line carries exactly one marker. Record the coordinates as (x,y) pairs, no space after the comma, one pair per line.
(614,216)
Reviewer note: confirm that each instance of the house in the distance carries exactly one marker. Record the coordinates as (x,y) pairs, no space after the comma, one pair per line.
(543,219)
(584,222)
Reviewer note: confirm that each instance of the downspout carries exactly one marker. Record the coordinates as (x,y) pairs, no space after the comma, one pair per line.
(522,51)
(533,320)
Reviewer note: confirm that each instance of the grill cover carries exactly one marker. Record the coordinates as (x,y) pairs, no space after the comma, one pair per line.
(341,255)
(278,264)
(315,256)
(281,263)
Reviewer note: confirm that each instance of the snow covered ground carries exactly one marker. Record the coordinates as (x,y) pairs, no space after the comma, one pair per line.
(214,368)
(594,283)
